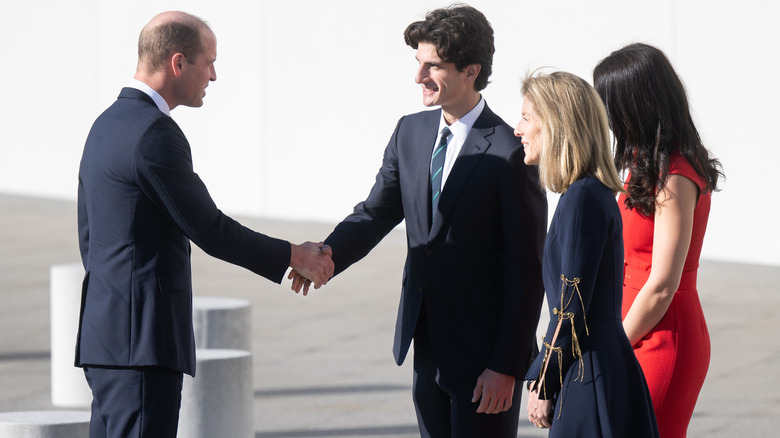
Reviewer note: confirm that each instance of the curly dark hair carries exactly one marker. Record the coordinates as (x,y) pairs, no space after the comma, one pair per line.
(650,119)
(462,35)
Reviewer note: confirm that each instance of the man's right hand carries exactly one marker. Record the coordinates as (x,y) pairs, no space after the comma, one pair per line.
(311,263)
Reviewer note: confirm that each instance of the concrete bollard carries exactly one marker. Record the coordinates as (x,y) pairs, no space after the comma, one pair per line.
(69,387)
(218,401)
(221,322)
(44,424)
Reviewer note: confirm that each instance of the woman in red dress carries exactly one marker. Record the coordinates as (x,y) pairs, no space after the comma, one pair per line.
(670,177)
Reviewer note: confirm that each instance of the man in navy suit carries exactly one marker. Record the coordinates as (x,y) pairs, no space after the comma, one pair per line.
(472,286)
(139,206)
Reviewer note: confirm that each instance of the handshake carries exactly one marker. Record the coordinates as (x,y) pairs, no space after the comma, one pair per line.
(311,263)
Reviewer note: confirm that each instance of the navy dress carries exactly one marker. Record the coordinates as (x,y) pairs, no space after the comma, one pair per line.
(590,370)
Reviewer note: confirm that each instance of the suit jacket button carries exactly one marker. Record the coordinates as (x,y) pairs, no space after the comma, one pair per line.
(429,252)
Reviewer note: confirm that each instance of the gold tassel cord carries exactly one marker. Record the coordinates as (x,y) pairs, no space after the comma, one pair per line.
(575,343)
(546,361)
(575,283)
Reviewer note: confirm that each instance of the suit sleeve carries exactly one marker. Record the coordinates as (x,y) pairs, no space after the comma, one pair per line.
(524,221)
(372,219)
(83,226)
(165,174)
(580,237)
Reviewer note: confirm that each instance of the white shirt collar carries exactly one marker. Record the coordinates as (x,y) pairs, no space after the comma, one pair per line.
(161,103)
(460,129)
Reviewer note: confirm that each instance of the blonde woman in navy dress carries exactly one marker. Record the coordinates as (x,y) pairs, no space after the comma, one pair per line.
(586,381)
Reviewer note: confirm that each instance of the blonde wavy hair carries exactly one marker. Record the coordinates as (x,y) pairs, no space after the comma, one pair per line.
(574,131)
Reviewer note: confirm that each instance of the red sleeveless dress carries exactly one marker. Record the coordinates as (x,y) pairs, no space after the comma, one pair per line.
(675,355)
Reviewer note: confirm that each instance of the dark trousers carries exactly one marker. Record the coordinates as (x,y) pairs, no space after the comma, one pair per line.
(140,402)
(444,407)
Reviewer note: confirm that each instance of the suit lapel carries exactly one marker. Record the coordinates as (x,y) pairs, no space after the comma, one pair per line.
(422,185)
(471,153)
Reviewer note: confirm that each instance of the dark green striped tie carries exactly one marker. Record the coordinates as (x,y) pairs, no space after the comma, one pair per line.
(437,168)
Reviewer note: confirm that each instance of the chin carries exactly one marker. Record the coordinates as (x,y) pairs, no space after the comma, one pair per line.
(430,100)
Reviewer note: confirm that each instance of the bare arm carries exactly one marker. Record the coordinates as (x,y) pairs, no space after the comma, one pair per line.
(671,239)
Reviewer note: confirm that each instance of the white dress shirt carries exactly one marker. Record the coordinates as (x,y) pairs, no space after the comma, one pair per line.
(458,133)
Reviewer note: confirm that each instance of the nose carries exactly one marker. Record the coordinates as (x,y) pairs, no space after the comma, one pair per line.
(212,73)
(419,78)
(518,130)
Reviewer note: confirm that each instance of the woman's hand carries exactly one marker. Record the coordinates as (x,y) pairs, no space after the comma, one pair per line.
(539,411)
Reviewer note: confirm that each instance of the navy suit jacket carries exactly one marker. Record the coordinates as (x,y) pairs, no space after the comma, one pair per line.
(139,205)
(477,267)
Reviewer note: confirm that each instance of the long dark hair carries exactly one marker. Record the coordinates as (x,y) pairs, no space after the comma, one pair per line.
(649,116)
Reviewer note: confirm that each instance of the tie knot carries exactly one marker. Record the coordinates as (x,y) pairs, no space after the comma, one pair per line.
(444,134)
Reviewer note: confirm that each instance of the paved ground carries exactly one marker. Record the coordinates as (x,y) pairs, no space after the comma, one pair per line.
(323,365)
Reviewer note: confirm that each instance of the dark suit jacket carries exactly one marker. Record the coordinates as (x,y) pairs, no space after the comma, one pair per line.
(139,205)
(477,269)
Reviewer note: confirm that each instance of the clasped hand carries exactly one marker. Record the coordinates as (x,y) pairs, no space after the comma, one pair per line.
(540,412)
(311,263)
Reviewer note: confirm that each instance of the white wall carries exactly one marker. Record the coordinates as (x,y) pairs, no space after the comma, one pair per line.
(309,92)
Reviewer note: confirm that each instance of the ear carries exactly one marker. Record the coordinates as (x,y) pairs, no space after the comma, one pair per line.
(176,62)
(472,71)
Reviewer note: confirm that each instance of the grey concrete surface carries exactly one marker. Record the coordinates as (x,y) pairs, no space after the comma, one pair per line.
(322,364)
